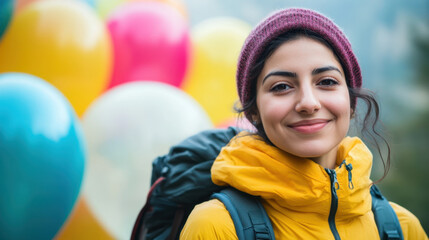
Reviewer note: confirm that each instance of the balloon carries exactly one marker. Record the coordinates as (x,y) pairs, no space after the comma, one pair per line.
(20,4)
(42,158)
(211,80)
(82,225)
(6,10)
(150,41)
(105,7)
(177,4)
(239,122)
(126,128)
(90,3)
(62,42)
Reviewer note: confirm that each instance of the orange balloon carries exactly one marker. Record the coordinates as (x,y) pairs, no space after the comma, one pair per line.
(82,225)
(22,3)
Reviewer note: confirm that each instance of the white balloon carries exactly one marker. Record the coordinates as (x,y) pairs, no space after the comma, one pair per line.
(126,129)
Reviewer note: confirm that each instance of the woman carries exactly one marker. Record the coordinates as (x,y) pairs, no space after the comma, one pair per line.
(298,82)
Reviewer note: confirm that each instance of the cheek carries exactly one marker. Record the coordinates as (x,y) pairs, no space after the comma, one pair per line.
(272,108)
(339,105)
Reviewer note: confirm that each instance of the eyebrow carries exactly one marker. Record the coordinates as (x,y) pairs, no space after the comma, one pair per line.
(325,69)
(280,73)
(294,75)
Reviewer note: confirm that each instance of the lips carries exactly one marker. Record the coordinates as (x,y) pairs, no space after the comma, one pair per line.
(309,126)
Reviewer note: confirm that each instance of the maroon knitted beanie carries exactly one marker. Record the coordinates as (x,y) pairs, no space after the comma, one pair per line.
(292,19)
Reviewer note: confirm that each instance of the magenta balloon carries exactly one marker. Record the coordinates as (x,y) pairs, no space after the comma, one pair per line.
(151,41)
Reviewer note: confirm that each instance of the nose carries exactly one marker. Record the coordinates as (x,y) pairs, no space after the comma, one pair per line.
(307,102)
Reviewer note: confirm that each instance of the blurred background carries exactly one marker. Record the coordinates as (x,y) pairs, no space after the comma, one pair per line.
(91,91)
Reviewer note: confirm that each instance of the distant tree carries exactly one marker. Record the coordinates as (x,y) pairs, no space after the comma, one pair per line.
(408,183)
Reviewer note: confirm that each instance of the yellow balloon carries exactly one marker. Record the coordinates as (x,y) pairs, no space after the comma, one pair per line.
(62,42)
(211,80)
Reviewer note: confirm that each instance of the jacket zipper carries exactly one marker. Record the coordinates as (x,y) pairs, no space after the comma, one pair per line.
(334,203)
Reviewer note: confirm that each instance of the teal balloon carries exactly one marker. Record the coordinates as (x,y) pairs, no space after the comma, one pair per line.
(6,12)
(42,158)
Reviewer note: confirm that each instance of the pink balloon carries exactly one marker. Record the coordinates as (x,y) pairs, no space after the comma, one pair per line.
(240,122)
(151,41)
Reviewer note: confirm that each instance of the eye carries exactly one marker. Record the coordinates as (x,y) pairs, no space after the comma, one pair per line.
(328,82)
(280,87)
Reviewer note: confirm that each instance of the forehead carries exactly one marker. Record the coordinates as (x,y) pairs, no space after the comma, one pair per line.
(302,51)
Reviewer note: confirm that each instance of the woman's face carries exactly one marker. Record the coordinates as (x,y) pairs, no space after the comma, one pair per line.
(303,100)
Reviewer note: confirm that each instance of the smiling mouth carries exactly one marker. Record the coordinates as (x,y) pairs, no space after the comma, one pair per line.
(309,126)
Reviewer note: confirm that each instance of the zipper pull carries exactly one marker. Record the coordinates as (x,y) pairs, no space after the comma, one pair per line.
(349,168)
(342,163)
(336,184)
(333,175)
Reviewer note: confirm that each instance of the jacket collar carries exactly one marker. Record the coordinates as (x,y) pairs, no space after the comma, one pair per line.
(297,184)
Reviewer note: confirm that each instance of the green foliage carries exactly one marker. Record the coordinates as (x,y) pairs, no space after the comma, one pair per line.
(421,59)
(407,183)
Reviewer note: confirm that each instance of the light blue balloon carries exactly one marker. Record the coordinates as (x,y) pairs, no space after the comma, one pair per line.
(6,12)
(91,3)
(42,158)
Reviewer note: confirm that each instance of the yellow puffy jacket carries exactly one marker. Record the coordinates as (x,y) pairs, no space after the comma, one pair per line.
(296,194)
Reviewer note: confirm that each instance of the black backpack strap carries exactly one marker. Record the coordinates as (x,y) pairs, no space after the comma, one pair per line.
(249,216)
(385,217)
(139,228)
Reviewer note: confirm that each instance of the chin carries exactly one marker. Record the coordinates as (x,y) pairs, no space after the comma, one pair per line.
(310,150)
(307,154)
